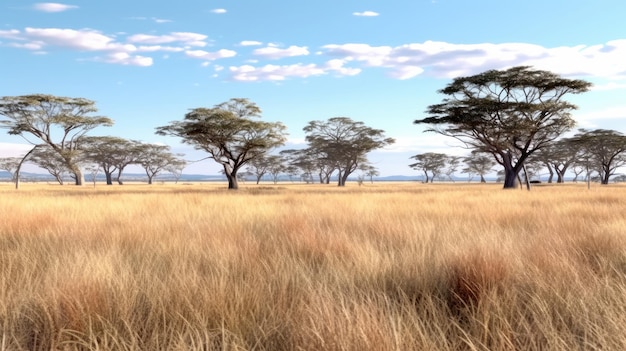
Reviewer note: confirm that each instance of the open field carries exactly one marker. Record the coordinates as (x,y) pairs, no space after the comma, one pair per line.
(400,266)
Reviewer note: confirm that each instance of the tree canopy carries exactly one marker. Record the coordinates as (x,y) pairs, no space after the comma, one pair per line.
(509,113)
(229,134)
(344,143)
(57,122)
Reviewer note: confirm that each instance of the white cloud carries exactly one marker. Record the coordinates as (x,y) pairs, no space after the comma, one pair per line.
(609,86)
(614,113)
(185,38)
(210,56)
(53,7)
(250,43)
(448,60)
(248,73)
(366,14)
(14,149)
(123,58)
(272,52)
(89,40)
(161,20)
(218,11)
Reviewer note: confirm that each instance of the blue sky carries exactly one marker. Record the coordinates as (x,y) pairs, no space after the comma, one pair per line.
(146,63)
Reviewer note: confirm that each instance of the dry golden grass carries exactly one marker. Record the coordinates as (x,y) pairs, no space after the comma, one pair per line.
(309,267)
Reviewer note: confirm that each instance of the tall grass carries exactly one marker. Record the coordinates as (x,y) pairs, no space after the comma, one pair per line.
(309,267)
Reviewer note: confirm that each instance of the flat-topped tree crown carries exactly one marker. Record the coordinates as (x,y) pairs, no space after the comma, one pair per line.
(56,121)
(509,113)
(228,134)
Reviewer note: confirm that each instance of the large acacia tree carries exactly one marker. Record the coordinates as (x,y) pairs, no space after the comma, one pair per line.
(507,113)
(54,121)
(344,143)
(229,133)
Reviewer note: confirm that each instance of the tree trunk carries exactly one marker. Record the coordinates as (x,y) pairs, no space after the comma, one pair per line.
(109,177)
(79,178)
(233,183)
(19,166)
(482,179)
(119,176)
(559,176)
(510,178)
(551,175)
(605,177)
(258,179)
(343,179)
(425,177)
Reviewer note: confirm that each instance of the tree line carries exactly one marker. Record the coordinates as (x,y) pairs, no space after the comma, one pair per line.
(514,118)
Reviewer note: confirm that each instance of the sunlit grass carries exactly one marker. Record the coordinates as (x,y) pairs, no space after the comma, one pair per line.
(399,266)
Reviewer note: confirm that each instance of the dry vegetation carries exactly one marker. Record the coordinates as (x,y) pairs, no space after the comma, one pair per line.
(309,267)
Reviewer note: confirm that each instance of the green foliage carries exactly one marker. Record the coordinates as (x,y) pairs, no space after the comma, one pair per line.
(228,134)
(344,143)
(509,113)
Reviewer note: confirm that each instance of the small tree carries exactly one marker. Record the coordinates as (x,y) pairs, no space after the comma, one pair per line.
(157,158)
(276,167)
(10,164)
(258,167)
(46,116)
(604,149)
(479,163)
(176,169)
(229,134)
(48,159)
(344,143)
(432,162)
(369,171)
(509,114)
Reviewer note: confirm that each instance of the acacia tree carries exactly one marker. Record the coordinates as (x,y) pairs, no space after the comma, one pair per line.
(344,143)
(58,122)
(602,149)
(10,164)
(157,158)
(106,152)
(432,162)
(510,113)
(558,157)
(258,168)
(369,171)
(48,159)
(229,134)
(300,160)
(478,163)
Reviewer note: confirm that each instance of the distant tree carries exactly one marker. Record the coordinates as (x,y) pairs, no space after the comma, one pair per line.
(479,163)
(432,162)
(603,149)
(157,158)
(93,171)
(110,153)
(10,164)
(510,113)
(452,165)
(303,160)
(276,166)
(50,160)
(258,167)
(44,116)
(344,143)
(558,157)
(176,169)
(369,171)
(229,134)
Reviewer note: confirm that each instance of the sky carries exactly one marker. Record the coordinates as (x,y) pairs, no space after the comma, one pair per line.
(146,63)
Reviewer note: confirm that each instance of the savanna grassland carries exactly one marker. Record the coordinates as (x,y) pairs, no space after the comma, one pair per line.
(309,267)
